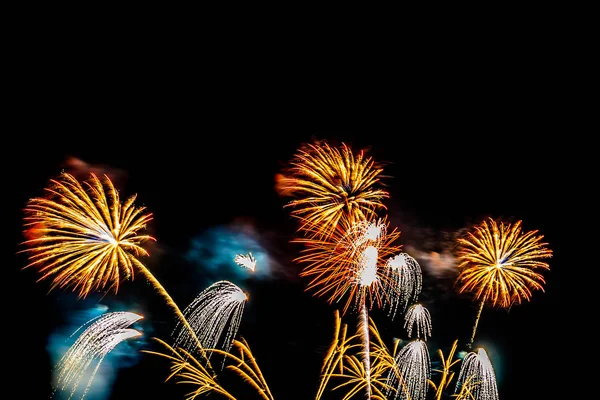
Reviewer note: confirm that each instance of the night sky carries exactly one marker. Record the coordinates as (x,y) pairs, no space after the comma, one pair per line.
(206,171)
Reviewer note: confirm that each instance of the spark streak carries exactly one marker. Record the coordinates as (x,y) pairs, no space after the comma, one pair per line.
(246,261)
(419,316)
(214,315)
(93,344)
(478,367)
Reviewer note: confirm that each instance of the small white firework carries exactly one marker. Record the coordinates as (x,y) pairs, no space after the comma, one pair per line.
(413,369)
(404,272)
(478,367)
(419,316)
(246,261)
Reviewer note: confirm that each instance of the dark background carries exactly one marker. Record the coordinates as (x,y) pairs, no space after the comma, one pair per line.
(201,150)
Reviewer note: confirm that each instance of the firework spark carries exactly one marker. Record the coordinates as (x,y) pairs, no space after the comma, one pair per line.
(246,261)
(419,316)
(446,373)
(406,271)
(83,237)
(414,368)
(331,185)
(478,373)
(185,368)
(86,238)
(214,316)
(499,264)
(352,264)
(99,337)
(245,366)
(340,365)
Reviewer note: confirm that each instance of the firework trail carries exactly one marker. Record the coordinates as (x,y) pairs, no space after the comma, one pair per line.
(499,265)
(100,336)
(414,368)
(185,368)
(245,261)
(214,315)
(419,316)
(331,186)
(477,372)
(85,238)
(406,272)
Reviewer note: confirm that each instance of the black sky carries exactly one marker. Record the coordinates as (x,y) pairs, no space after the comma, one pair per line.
(456,153)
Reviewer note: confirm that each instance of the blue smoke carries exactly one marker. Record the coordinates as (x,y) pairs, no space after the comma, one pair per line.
(125,354)
(214,251)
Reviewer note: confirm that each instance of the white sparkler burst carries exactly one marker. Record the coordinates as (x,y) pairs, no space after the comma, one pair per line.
(367,266)
(374,230)
(405,273)
(413,369)
(246,261)
(419,316)
(477,370)
(102,334)
(214,315)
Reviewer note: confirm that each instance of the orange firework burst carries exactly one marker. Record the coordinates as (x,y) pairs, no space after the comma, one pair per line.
(499,263)
(352,263)
(331,185)
(82,236)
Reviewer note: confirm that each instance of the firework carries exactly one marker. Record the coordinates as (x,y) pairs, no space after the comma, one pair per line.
(331,185)
(406,271)
(99,337)
(500,264)
(83,237)
(446,373)
(351,264)
(214,316)
(185,368)
(86,238)
(477,374)
(334,357)
(351,369)
(419,316)
(414,368)
(246,367)
(246,261)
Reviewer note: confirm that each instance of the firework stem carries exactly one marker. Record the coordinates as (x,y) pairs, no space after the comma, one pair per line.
(476,323)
